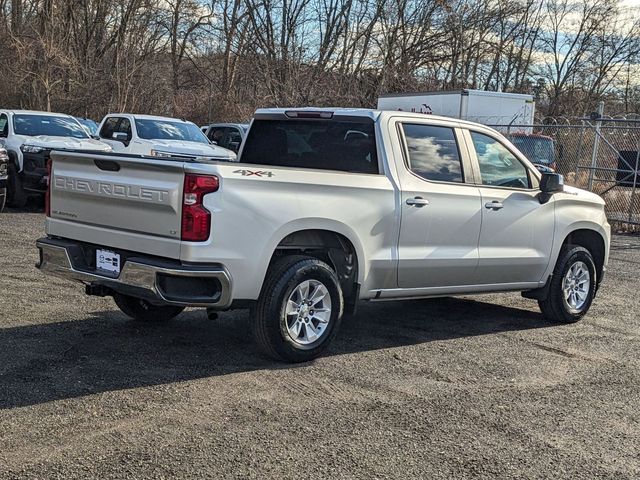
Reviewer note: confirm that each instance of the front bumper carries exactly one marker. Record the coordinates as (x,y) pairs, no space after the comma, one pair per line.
(157,280)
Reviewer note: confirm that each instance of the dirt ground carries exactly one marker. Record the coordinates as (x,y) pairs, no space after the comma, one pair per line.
(444,388)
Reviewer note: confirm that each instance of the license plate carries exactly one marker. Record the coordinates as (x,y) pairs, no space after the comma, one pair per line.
(107,261)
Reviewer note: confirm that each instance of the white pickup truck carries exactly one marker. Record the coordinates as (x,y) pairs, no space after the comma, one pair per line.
(28,137)
(161,137)
(325,208)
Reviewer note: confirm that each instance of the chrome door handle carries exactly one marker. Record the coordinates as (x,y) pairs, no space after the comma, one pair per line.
(417,202)
(495,205)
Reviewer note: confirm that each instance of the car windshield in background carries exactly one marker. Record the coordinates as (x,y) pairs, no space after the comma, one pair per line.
(168,130)
(35,125)
(323,144)
(90,124)
(536,149)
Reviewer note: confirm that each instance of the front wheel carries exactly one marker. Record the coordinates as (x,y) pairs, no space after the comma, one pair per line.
(299,310)
(140,309)
(573,286)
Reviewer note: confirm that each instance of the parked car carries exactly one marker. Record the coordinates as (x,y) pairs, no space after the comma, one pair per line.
(29,136)
(4,175)
(227,135)
(90,125)
(326,207)
(160,137)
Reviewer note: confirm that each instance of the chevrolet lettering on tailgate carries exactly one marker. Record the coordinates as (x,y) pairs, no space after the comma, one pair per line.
(110,189)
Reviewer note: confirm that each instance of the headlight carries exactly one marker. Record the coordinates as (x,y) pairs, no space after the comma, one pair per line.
(31,149)
(160,153)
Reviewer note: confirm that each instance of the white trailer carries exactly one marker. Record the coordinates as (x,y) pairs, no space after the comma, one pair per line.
(488,108)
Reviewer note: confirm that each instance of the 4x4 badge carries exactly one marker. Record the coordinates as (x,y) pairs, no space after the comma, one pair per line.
(256,173)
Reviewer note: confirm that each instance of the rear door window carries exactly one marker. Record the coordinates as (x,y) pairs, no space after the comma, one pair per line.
(347,146)
(433,152)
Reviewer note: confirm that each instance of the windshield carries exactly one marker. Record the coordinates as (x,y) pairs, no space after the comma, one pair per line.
(536,149)
(34,125)
(169,130)
(90,124)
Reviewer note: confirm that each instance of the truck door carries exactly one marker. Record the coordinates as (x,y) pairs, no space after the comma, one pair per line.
(517,230)
(440,205)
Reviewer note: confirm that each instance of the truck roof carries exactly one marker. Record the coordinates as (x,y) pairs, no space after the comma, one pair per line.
(351,112)
(148,117)
(373,114)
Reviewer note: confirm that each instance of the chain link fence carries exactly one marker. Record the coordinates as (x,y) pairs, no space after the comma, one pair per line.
(600,155)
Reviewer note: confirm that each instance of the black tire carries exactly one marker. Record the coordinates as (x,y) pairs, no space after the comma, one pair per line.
(17,197)
(269,319)
(140,309)
(555,307)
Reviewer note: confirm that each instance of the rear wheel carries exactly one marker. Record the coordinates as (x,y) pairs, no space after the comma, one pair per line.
(573,286)
(16,193)
(140,309)
(299,310)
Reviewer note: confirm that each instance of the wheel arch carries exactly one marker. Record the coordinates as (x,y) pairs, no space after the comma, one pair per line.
(332,242)
(594,242)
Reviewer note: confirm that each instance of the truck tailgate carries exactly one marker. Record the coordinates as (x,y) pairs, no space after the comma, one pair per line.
(118,201)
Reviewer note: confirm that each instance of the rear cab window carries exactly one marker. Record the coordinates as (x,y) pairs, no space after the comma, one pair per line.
(347,145)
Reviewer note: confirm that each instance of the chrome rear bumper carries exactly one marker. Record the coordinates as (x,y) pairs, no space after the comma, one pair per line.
(165,282)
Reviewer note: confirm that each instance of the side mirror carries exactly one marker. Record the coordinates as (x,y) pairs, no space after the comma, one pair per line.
(550,183)
(120,136)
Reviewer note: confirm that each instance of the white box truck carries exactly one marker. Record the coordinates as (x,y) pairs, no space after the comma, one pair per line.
(488,108)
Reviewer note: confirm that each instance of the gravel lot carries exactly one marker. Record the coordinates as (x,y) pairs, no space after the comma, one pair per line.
(466,387)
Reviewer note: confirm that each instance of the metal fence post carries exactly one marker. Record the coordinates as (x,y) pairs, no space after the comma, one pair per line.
(596,145)
(635,181)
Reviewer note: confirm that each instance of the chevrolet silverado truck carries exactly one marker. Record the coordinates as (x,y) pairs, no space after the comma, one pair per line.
(29,137)
(326,207)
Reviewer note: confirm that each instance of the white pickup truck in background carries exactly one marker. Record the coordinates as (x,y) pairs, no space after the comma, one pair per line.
(29,136)
(160,137)
(325,208)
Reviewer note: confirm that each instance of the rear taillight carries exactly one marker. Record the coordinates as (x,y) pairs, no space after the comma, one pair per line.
(196,220)
(47,197)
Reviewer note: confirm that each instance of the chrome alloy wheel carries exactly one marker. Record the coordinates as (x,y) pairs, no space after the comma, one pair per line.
(576,285)
(308,312)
